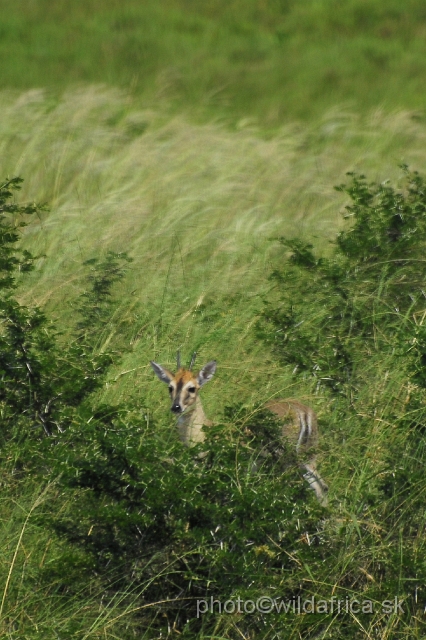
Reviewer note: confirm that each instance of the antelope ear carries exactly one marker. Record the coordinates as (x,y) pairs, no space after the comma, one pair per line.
(206,373)
(163,374)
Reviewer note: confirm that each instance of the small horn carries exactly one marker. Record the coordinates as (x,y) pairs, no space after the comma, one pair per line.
(178,359)
(194,355)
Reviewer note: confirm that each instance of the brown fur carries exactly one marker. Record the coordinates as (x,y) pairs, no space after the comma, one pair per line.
(299,422)
(294,414)
(184,376)
(186,404)
(300,428)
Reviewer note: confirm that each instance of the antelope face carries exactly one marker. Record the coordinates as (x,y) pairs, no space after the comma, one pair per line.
(184,385)
(183,391)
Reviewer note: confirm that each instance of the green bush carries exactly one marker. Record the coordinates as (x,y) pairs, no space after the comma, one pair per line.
(44,379)
(156,519)
(351,323)
(47,385)
(161,526)
(144,515)
(364,300)
(47,377)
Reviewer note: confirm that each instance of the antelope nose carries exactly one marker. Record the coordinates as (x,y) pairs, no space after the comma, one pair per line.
(176,408)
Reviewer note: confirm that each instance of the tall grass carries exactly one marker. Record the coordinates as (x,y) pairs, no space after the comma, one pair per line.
(273,61)
(33,604)
(196,206)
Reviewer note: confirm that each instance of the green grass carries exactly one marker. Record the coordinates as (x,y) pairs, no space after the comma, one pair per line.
(31,604)
(191,135)
(196,206)
(271,61)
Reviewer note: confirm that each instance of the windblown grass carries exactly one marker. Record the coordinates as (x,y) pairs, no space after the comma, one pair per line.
(274,61)
(196,207)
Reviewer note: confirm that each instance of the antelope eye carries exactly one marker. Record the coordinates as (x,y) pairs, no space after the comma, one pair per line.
(191,389)
(171,389)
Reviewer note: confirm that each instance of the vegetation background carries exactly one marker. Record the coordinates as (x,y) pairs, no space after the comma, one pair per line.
(191,136)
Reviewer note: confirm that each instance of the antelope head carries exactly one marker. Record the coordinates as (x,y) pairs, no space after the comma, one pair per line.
(184,385)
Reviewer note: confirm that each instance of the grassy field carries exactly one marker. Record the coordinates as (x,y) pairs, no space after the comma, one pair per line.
(191,136)
(197,207)
(270,61)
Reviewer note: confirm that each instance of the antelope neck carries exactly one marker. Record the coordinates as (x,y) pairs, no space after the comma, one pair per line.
(190,424)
